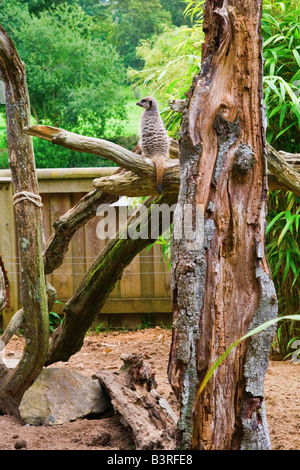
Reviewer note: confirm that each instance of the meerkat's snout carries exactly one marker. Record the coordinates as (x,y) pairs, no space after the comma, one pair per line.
(145,103)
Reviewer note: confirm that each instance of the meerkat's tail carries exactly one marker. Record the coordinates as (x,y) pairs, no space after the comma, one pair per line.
(159,163)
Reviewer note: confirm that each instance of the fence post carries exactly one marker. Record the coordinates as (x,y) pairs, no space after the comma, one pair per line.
(8,247)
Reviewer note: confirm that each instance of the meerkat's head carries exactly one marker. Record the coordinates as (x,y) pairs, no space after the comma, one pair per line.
(148,103)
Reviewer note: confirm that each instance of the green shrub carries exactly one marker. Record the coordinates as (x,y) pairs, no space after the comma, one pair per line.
(281,32)
(48,155)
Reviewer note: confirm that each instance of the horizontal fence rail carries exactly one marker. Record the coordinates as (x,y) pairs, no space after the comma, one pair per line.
(145,285)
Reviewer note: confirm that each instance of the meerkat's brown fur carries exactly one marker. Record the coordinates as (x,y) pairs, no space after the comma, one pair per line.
(154,139)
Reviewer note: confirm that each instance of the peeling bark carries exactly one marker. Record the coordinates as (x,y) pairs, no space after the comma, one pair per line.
(222,286)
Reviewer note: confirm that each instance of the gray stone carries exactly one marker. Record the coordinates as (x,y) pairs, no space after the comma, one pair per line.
(59,395)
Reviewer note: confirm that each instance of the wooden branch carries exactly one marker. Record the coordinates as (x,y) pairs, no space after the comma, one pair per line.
(13,326)
(282,175)
(122,157)
(29,228)
(292,158)
(140,180)
(69,223)
(100,279)
(133,185)
(283,171)
(17,320)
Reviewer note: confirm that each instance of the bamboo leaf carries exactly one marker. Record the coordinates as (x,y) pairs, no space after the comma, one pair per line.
(270,225)
(297,56)
(282,114)
(290,219)
(253,332)
(284,130)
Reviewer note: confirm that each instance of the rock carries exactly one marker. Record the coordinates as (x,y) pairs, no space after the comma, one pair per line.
(59,395)
(20,444)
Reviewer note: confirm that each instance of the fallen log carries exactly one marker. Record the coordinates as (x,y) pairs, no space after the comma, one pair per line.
(148,416)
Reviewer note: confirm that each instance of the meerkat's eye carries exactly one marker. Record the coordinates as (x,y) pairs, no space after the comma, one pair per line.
(143,101)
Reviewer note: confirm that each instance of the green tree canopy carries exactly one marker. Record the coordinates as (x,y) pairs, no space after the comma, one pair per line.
(177,9)
(136,20)
(36,6)
(72,77)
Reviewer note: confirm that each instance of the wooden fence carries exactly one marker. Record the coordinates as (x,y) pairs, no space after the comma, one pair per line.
(145,285)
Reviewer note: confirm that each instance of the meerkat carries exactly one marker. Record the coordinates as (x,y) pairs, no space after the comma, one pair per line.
(154,140)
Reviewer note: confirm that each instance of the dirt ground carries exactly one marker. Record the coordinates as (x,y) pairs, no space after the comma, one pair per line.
(103,351)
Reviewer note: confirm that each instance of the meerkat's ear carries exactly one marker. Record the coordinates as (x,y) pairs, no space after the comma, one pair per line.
(150,103)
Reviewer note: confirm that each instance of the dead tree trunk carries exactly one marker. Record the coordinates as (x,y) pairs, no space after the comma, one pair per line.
(221,285)
(29,230)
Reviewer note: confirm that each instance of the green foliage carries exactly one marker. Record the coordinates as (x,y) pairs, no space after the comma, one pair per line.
(91,7)
(146,322)
(72,77)
(171,60)
(48,155)
(164,241)
(99,328)
(283,251)
(253,332)
(54,321)
(36,6)
(176,8)
(281,32)
(3,142)
(136,20)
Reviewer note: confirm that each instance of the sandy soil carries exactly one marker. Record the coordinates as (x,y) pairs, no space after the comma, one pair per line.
(104,351)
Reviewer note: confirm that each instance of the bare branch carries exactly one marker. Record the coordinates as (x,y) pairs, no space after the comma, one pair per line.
(99,280)
(68,224)
(284,172)
(142,179)
(133,185)
(122,157)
